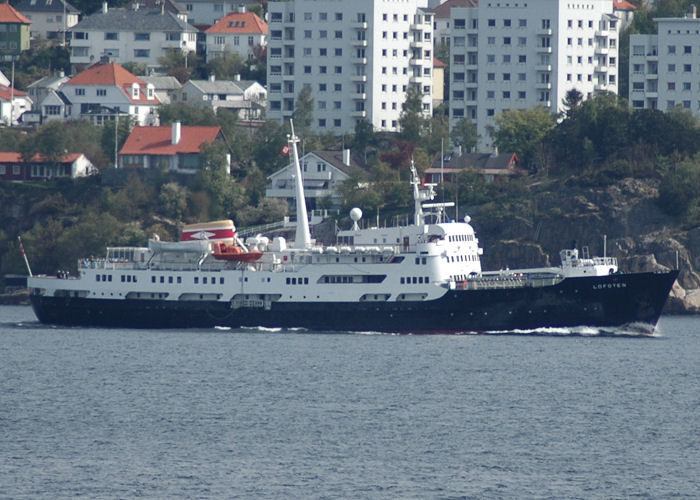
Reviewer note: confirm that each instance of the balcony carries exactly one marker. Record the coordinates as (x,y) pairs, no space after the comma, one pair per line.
(602,50)
(543,67)
(544,31)
(544,50)
(358,78)
(359,43)
(359,60)
(359,25)
(417,44)
(543,85)
(416,79)
(359,96)
(358,114)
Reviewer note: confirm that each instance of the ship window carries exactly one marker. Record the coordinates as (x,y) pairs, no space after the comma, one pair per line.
(196,280)
(415,280)
(424,261)
(128,279)
(179,279)
(402,280)
(288,281)
(109,278)
(153,279)
(134,279)
(170,279)
(306,281)
(426,279)
(97,277)
(162,279)
(204,280)
(294,281)
(420,279)
(123,278)
(417,260)
(221,281)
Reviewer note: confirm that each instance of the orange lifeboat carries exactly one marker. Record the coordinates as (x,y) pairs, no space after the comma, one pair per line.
(223,251)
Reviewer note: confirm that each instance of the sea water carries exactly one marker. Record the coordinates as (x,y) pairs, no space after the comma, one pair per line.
(113,413)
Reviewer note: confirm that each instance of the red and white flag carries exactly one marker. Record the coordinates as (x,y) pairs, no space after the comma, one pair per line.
(285,149)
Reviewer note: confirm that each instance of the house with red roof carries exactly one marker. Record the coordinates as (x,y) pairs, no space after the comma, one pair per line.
(624,10)
(237,33)
(15,168)
(107,90)
(13,103)
(14,31)
(491,166)
(175,148)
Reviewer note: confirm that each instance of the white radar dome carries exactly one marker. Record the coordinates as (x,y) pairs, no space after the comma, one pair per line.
(355,214)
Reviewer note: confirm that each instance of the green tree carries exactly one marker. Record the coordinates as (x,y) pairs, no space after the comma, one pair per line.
(227,66)
(172,200)
(412,121)
(572,99)
(186,114)
(522,131)
(304,113)
(464,134)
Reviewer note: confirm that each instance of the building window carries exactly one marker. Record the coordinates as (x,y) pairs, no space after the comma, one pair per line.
(101,92)
(142,53)
(79,91)
(111,36)
(142,37)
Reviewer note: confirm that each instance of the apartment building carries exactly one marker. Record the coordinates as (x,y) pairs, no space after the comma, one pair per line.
(526,54)
(664,69)
(358,58)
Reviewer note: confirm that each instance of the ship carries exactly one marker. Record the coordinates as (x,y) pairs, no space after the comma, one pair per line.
(420,277)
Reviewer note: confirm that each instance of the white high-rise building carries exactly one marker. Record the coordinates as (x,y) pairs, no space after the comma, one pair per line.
(664,68)
(525,54)
(357,57)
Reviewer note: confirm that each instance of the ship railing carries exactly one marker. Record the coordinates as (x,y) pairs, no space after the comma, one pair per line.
(512,281)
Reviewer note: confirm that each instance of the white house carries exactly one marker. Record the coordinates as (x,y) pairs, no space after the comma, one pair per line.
(322,173)
(13,167)
(166,86)
(13,103)
(237,33)
(54,106)
(358,58)
(139,35)
(245,97)
(41,88)
(50,19)
(106,90)
(209,12)
(527,55)
(664,68)
(441,26)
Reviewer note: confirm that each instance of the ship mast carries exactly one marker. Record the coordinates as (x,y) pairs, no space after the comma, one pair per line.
(302,238)
(421,193)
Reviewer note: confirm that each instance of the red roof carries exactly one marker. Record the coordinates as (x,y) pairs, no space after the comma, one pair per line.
(12,157)
(443,10)
(245,22)
(6,93)
(9,15)
(437,63)
(158,140)
(112,74)
(623,5)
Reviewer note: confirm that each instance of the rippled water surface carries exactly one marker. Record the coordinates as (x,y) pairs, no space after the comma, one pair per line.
(100,413)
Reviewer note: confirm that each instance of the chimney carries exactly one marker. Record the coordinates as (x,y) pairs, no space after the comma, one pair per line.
(494,154)
(692,11)
(105,8)
(135,6)
(61,74)
(176,134)
(237,77)
(212,77)
(346,157)
(241,8)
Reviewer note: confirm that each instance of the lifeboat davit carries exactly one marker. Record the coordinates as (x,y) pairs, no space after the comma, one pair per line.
(234,252)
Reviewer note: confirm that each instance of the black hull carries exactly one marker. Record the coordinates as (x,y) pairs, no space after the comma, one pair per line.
(605,301)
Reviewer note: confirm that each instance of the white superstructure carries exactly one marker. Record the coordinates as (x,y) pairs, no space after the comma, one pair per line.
(527,54)
(358,58)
